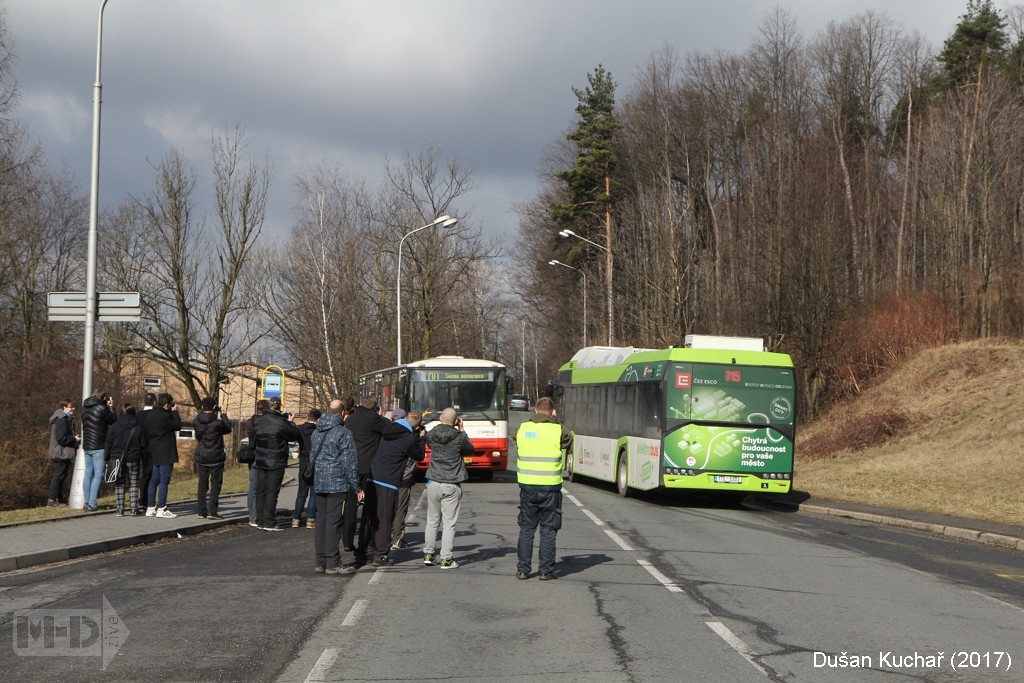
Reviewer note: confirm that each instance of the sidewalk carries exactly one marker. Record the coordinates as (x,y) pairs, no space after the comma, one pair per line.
(65,538)
(966,529)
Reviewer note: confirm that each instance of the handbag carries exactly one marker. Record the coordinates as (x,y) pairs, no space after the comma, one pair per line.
(246,453)
(113,471)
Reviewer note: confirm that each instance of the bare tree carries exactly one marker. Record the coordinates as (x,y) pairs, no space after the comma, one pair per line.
(193,315)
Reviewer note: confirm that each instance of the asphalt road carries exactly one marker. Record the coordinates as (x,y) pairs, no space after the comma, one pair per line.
(651,589)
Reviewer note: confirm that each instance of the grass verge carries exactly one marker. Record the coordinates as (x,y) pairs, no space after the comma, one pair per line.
(182,487)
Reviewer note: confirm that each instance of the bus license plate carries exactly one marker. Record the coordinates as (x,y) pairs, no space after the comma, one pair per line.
(467,460)
(720,479)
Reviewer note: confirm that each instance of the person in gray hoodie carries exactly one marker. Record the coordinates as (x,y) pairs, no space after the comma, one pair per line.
(448,446)
(63,446)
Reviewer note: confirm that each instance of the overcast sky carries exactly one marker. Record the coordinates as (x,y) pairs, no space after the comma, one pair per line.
(348,83)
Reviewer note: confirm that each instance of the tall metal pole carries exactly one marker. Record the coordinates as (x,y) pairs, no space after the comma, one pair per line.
(447,221)
(581,272)
(76,496)
(94,199)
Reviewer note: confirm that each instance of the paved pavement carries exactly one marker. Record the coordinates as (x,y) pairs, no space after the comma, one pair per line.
(65,538)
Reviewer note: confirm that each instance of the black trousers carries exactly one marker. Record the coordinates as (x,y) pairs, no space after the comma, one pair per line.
(145,474)
(210,476)
(368,520)
(348,522)
(268,485)
(327,534)
(543,509)
(386,499)
(60,474)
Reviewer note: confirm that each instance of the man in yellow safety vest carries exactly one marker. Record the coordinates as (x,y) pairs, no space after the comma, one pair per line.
(541,445)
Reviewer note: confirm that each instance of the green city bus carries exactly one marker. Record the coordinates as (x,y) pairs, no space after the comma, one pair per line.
(714,415)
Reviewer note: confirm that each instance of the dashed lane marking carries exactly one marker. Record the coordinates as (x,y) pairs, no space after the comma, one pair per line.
(735,643)
(719,628)
(323,665)
(352,618)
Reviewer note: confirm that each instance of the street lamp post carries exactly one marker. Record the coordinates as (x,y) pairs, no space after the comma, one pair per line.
(566,265)
(76,496)
(443,221)
(94,198)
(608,277)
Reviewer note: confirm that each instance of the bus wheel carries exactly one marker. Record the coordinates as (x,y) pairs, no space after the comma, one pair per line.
(622,477)
(570,472)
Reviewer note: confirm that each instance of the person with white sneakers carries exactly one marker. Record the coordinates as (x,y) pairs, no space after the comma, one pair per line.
(162,424)
(449,446)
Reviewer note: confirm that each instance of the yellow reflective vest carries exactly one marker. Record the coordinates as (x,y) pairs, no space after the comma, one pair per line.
(539,447)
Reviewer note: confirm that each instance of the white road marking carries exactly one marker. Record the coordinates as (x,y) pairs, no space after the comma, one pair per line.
(718,627)
(323,665)
(593,518)
(618,541)
(661,578)
(353,614)
(735,643)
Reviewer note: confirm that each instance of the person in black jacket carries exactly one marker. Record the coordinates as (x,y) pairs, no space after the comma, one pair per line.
(306,430)
(162,425)
(97,416)
(386,474)
(209,428)
(367,425)
(146,464)
(63,447)
(272,431)
(127,441)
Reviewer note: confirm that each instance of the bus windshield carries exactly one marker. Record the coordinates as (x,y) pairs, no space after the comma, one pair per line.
(477,393)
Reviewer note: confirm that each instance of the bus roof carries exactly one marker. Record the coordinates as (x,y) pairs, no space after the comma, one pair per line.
(606,364)
(443,362)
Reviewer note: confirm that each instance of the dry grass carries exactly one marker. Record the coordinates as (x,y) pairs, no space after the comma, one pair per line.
(942,434)
(181,488)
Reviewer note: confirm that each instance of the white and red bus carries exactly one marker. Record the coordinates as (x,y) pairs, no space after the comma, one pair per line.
(477,389)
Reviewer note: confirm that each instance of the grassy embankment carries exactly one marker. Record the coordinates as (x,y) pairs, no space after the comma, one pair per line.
(943,433)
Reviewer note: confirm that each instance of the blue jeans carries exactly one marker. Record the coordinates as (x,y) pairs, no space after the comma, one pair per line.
(543,509)
(305,492)
(94,463)
(158,485)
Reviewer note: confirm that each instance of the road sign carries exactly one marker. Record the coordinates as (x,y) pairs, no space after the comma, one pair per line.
(110,307)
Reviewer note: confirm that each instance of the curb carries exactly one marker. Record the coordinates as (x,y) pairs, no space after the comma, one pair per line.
(73,552)
(1002,540)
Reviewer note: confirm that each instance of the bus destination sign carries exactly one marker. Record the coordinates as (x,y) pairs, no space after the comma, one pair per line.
(469,375)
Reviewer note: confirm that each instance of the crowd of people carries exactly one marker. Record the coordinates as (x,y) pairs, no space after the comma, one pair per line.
(359,459)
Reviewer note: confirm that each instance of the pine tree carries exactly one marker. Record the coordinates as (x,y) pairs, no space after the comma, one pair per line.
(589,182)
(979,40)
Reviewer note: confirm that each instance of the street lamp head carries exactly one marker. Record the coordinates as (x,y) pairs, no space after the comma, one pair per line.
(566,233)
(554,263)
(441,219)
(450,222)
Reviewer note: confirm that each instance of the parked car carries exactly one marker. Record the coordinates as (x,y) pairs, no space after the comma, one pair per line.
(519,402)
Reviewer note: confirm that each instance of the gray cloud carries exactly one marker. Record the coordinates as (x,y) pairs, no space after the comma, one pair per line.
(351,83)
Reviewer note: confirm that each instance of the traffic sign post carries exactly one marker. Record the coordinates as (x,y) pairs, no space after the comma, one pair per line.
(72,307)
(110,306)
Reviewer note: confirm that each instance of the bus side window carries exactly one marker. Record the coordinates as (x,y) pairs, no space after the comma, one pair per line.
(648,414)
